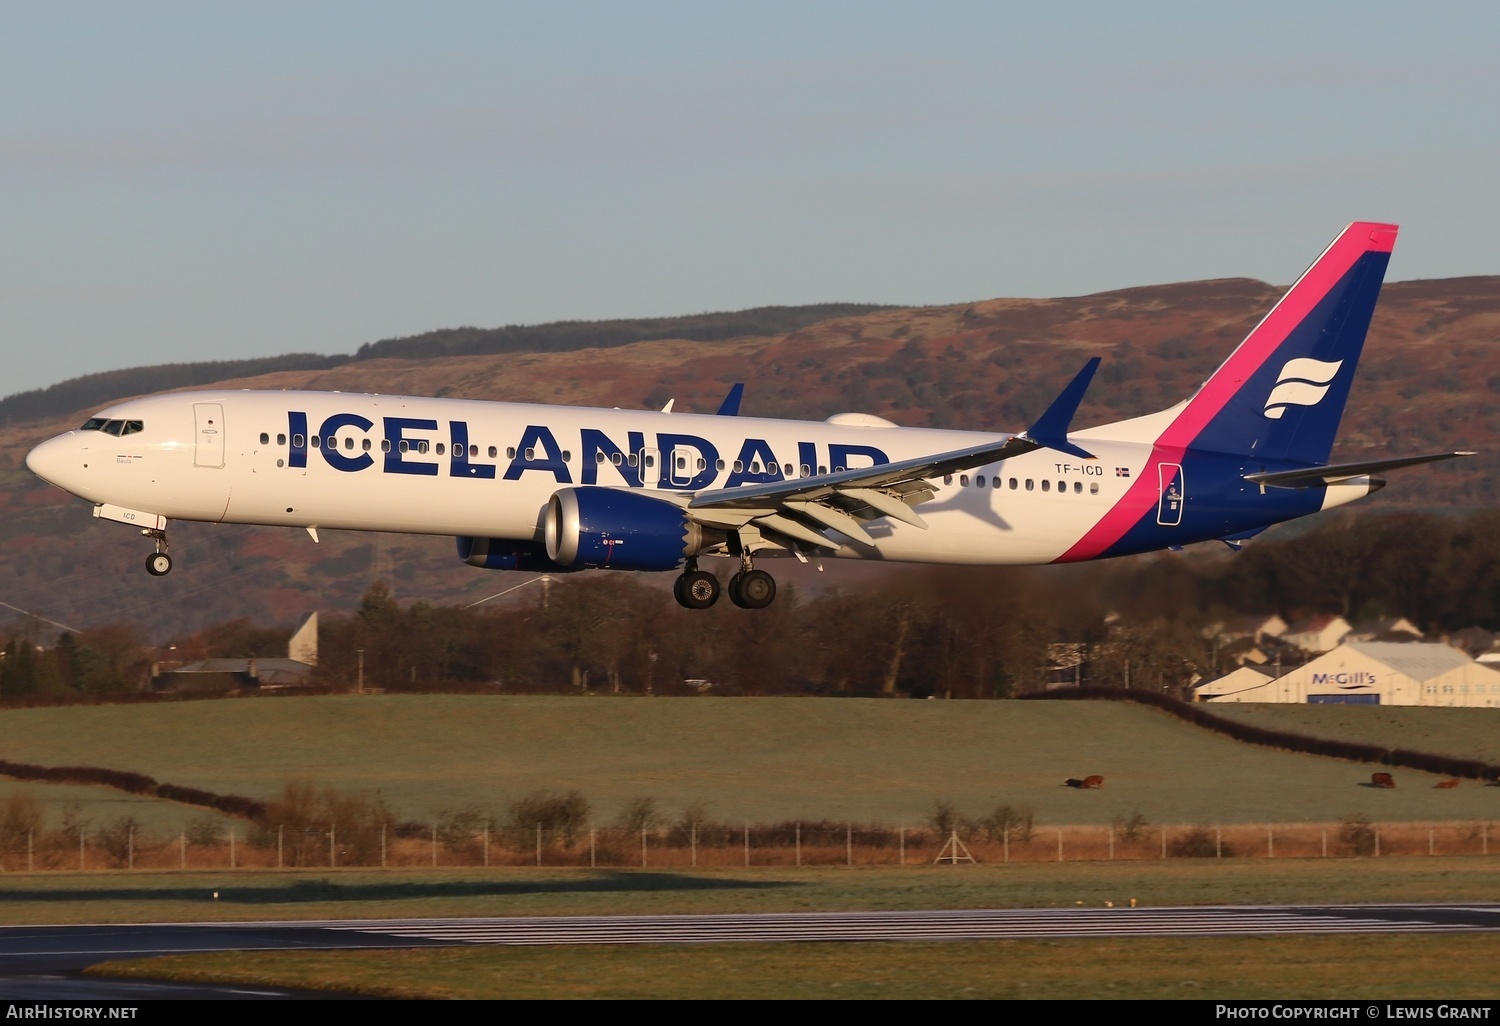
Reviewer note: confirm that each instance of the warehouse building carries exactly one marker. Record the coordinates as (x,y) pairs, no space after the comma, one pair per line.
(1369,673)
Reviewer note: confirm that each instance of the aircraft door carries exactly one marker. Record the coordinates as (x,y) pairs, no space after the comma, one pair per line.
(649,460)
(1173,495)
(208,420)
(680,469)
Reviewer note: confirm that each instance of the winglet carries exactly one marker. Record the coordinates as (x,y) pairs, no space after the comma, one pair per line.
(1051,428)
(730,407)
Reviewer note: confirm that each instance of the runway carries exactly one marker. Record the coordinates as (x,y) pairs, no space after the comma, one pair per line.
(32,955)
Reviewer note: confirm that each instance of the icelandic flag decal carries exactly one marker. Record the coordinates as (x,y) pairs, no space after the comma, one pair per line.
(1122,472)
(1302,382)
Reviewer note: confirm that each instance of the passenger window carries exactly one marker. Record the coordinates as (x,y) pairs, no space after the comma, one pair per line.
(1013,483)
(423,446)
(296,441)
(1093,487)
(385,445)
(648,461)
(440,448)
(617,459)
(979,480)
(315,442)
(365,445)
(838,470)
(265,439)
(405,445)
(1062,486)
(739,466)
(349,442)
(1077,487)
(963,480)
(718,464)
(281,439)
(567,456)
(510,452)
(1046,486)
(494,452)
(702,463)
(822,470)
(1029,484)
(599,456)
(530,454)
(632,459)
(806,470)
(473,451)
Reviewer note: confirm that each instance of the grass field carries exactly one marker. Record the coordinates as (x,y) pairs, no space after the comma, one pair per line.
(1222,968)
(1465,733)
(756,759)
(126,897)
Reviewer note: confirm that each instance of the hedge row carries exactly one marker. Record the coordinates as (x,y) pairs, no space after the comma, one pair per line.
(1427,762)
(135,783)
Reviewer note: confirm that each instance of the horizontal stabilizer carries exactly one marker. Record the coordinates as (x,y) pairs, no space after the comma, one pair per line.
(1051,428)
(1311,477)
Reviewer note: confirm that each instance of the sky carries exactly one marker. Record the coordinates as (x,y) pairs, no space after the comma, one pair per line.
(189,181)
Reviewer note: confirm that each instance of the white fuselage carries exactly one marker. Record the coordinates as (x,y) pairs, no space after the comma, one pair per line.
(232,456)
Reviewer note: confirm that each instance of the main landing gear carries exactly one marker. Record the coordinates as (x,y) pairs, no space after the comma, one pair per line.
(748,589)
(158,564)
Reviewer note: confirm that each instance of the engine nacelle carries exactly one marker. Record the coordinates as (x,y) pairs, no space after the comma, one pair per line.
(614,529)
(502,554)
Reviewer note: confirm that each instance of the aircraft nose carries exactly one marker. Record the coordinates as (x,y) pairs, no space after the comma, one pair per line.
(55,460)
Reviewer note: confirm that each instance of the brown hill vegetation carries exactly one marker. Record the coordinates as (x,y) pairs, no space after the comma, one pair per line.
(1427,382)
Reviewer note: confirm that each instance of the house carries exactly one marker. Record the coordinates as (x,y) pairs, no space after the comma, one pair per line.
(1319,634)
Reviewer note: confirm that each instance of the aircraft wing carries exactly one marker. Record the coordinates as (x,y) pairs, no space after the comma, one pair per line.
(1312,476)
(800,508)
(803,508)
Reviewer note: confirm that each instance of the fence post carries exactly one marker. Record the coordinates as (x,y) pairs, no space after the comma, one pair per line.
(30,851)
(130,848)
(1005,838)
(593,849)
(643,847)
(281,838)
(434,846)
(1164,840)
(1431,850)
(486,845)
(747,842)
(1270,842)
(1325,842)
(81,834)
(382,845)
(333,844)
(1484,837)
(902,842)
(849,844)
(693,843)
(1059,844)
(1110,831)
(231,848)
(1218,842)
(539,844)
(799,845)
(1377,842)
(182,842)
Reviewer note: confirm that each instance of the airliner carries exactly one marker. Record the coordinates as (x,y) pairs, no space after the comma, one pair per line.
(555,488)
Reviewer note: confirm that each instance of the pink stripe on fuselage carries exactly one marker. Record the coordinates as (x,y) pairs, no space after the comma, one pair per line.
(1354,242)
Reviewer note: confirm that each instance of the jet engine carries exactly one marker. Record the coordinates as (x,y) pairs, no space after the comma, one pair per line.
(614,529)
(503,554)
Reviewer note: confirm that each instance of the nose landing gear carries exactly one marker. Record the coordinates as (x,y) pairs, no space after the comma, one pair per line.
(158,564)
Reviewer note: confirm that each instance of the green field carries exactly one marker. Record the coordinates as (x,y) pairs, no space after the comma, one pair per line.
(1464,733)
(755,759)
(1445,968)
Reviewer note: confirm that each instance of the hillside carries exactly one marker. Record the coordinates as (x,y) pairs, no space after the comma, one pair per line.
(1427,382)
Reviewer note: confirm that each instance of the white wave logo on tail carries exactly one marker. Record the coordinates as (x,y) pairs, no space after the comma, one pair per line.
(1302,382)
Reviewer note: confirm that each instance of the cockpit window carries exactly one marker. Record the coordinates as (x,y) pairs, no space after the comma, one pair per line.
(113,427)
(132,426)
(94,424)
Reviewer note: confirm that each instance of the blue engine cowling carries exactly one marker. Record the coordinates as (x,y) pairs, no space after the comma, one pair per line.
(504,554)
(615,529)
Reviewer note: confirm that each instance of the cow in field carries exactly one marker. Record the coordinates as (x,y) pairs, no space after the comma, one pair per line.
(1382,780)
(1449,783)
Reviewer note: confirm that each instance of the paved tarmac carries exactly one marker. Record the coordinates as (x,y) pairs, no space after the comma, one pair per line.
(41,962)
